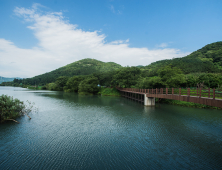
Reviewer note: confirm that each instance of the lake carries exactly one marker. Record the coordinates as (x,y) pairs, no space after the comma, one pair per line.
(71,131)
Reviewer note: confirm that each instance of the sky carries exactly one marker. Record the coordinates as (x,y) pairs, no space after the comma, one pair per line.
(40,36)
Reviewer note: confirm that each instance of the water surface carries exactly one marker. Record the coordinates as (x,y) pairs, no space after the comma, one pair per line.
(72,131)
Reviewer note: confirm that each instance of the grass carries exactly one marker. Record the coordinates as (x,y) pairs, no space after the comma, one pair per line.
(186,104)
(109,91)
(35,88)
(85,93)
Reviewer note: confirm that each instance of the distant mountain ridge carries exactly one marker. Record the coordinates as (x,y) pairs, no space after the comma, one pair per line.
(6,79)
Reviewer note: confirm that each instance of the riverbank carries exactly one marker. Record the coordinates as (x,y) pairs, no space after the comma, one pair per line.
(104,91)
(35,87)
(107,91)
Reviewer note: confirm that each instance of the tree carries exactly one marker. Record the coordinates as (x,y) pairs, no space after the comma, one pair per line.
(150,82)
(211,80)
(104,78)
(52,86)
(172,76)
(126,77)
(72,84)
(192,80)
(89,86)
(61,82)
(177,80)
(167,72)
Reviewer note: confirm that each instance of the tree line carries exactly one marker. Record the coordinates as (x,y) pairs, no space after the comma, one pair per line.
(129,77)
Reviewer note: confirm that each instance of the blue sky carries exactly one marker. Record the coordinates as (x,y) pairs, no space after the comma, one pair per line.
(40,36)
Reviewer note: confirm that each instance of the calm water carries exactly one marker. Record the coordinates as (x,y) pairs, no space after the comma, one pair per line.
(71,131)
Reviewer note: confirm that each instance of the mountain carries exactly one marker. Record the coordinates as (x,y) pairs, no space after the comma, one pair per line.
(82,67)
(207,59)
(6,79)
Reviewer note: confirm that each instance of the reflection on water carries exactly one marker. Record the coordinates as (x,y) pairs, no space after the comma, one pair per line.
(73,131)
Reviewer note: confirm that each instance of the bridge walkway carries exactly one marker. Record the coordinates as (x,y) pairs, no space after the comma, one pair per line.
(209,97)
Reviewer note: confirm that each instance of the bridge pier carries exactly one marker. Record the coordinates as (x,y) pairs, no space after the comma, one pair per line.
(149,101)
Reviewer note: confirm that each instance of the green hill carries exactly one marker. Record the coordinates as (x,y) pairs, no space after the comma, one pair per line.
(205,60)
(82,67)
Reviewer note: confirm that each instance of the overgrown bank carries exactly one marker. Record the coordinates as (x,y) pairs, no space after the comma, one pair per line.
(185,104)
(109,91)
(11,109)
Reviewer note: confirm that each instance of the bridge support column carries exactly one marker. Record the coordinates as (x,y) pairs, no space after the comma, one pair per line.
(149,101)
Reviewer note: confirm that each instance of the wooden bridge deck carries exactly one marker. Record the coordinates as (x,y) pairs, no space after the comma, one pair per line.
(202,96)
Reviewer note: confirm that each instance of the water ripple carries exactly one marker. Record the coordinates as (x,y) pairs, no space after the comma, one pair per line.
(102,132)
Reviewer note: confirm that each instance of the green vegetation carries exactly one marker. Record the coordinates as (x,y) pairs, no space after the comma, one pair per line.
(205,60)
(35,87)
(89,86)
(10,108)
(82,67)
(72,84)
(61,82)
(186,104)
(202,68)
(126,77)
(109,92)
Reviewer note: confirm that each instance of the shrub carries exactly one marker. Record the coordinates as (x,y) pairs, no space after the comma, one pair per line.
(12,108)
(51,86)
(109,92)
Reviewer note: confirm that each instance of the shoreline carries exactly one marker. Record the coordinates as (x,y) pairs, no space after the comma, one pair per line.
(107,91)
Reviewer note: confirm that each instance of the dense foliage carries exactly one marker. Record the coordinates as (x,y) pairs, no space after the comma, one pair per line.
(72,84)
(126,77)
(10,108)
(109,92)
(205,60)
(89,86)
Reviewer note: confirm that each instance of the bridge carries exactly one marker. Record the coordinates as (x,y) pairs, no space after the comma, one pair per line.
(209,97)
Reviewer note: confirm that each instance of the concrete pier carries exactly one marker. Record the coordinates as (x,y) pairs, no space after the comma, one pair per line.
(149,101)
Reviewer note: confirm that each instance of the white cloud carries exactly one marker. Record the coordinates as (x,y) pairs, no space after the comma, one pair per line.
(163,45)
(112,9)
(119,41)
(62,43)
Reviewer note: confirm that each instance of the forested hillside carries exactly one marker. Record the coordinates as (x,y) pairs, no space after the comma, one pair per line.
(205,60)
(82,67)
(201,68)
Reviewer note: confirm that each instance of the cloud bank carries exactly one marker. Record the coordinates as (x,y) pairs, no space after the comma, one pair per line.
(61,43)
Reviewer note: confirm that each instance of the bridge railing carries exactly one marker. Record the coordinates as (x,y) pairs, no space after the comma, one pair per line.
(198,92)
